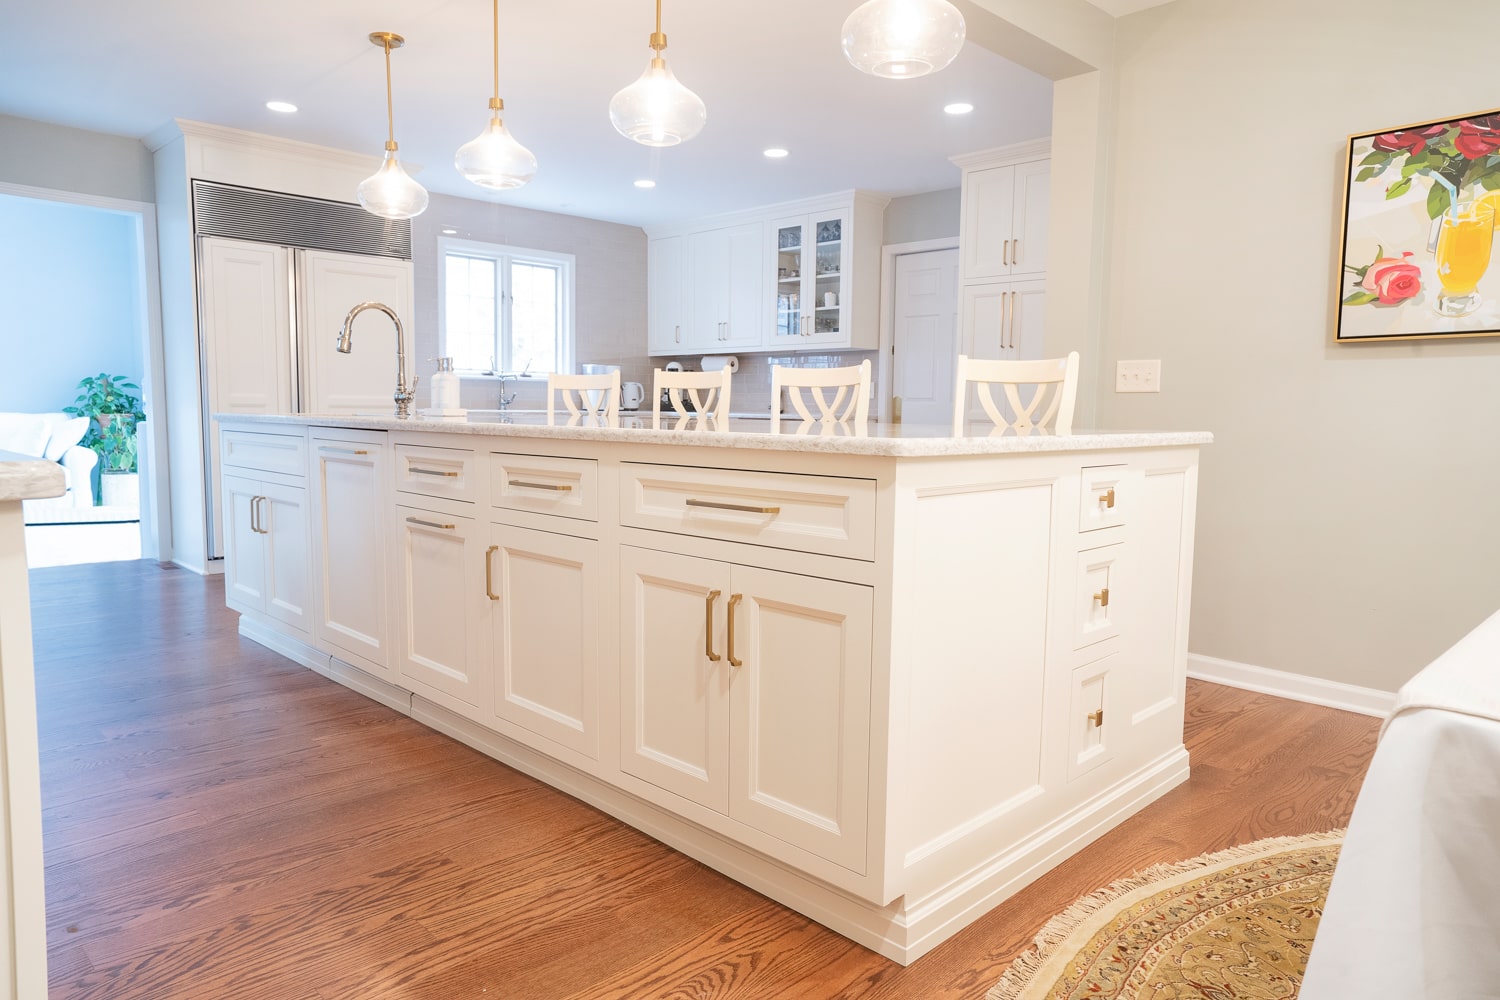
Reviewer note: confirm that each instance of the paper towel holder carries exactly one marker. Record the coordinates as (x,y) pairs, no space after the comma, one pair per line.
(718,362)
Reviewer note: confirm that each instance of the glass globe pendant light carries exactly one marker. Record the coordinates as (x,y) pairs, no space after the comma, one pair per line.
(390,193)
(902,39)
(495,159)
(656,110)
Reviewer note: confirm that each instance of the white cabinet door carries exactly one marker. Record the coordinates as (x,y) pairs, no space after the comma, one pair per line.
(669,303)
(283,528)
(988,213)
(1028,250)
(1028,318)
(674,679)
(444,610)
(800,725)
(745,291)
(708,263)
(543,590)
(330,284)
(350,481)
(1004,319)
(244,553)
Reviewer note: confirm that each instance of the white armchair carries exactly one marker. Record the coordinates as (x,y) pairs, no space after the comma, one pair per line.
(55,437)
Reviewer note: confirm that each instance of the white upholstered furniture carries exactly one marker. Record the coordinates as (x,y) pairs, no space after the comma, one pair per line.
(1048,407)
(53,437)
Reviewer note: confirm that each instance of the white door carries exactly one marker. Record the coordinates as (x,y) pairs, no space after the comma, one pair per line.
(328,286)
(244,552)
(674,679)
(543,590)
(350,563)
(284,532)
(925,335)
(800,724)
(444,610)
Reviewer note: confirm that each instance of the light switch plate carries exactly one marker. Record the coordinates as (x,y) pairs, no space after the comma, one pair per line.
(1137,376)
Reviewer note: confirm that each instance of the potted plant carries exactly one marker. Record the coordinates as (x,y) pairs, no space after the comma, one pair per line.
(114,411)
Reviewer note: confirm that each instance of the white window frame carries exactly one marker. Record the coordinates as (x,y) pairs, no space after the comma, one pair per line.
(503,255)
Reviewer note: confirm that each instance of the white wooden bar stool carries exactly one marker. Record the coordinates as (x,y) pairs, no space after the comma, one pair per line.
(587,397)
(707,394)
(850,386)
(1056,382)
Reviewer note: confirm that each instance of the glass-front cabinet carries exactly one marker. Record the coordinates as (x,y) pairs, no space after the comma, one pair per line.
(812,280)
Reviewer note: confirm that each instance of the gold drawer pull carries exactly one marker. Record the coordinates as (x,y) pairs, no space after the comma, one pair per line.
(708,626)
(733,660)
(747,508)
(343,451)
(430,524)
(431,472)
(1103,597)
(558,487)
(1097,718)
(489,580)
(1107,498)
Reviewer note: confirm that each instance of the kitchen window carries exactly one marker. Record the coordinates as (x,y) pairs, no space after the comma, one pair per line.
(505,309)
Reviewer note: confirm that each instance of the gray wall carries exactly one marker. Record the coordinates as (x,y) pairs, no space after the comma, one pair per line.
(918,217)
(69,159)
(609,285)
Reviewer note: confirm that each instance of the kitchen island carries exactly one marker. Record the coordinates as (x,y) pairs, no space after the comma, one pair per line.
(886,677)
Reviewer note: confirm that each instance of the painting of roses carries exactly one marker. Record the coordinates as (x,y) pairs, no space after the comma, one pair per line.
(1419,232)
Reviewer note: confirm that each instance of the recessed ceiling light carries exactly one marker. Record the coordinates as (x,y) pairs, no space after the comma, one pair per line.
(449,232)
(281,106)
(960,108)
(776,153)
(645,184)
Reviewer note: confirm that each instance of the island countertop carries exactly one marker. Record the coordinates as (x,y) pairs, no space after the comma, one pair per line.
(23,477)
(893,440)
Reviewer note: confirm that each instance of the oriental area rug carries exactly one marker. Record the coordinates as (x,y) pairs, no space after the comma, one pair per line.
(1237,923)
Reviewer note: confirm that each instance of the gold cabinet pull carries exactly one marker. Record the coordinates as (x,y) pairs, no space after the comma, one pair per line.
(1103,597)
(489,580)
(255,514)
(1005,254)
(556,487)
(1097,718)
(430,524)
(1015,251)
(343,451)
(734,661)
(708,626)
(431,472)
(1107,498)
(747,508)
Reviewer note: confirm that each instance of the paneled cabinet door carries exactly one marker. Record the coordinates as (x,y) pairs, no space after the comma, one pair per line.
(350,479)
(674,681)
(669,302)
(812,259)
(244,553)
(543,590)
(728,287)
(284,534)
(1003,319)
(444,611)
(800,719)
(1005,220)
(1028,249)
(330,284)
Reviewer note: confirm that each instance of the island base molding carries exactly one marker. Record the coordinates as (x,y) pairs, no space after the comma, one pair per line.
(902,932)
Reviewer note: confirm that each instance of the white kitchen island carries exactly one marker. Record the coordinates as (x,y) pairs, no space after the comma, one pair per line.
(887,679)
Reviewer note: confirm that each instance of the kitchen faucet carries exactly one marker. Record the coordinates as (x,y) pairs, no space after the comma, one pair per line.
(404,393)
(504,399)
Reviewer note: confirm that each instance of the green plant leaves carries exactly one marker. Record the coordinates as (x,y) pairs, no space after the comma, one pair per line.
(1360,298)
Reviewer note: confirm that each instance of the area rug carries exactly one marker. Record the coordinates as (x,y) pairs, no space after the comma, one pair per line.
(1234,924)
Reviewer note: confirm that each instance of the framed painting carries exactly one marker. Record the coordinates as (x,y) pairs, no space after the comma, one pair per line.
(1419,232)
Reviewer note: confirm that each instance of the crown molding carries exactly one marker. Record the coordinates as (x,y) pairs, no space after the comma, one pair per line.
(1021,152)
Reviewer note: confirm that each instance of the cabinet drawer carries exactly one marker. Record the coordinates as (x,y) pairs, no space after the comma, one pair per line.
(283,453)
(437,472)
(1090,716)
(1103,497)
(1096,595)
(822,514)
(567,487)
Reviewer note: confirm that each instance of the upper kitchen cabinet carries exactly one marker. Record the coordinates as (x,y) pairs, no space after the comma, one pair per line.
(1004,212)
(786,277)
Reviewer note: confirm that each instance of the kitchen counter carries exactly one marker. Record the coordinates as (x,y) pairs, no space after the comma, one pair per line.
(25,478)
(892,440)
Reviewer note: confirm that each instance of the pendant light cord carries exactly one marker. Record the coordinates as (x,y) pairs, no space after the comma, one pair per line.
(658,40)
(497,49)
(390,118)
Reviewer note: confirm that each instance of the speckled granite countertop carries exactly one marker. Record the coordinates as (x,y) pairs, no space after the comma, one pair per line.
(25,478)
(896,440)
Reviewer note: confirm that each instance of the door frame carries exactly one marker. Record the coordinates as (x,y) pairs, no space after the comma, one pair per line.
(885,370)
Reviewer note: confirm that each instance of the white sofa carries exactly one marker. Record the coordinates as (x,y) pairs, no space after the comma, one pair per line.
(54,436)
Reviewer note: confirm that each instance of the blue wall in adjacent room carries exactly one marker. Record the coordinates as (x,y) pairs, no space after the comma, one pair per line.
(70,287)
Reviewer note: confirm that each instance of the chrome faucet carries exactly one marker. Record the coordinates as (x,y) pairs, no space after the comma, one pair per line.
(505,400)
(404,392)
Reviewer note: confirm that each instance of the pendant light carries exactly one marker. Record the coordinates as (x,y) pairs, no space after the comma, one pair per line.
(495,159)
(389,192)
(902,39)
(656,110)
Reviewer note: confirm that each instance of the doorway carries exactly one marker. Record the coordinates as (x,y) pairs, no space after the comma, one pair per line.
(924,335)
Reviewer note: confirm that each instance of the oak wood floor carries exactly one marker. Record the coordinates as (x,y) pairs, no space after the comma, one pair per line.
(222,823)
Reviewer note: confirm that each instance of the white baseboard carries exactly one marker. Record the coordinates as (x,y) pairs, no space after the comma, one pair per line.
(1297,687)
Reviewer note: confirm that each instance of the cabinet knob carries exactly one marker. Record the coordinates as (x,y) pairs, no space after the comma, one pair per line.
(1097,718)
(1103,597)
(1107,498)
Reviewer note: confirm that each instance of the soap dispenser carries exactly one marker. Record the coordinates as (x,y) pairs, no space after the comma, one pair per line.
(445,390)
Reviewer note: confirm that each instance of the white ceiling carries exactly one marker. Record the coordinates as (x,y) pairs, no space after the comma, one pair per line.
(770,71)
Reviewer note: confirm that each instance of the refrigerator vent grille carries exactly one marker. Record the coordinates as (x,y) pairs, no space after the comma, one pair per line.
(292,220)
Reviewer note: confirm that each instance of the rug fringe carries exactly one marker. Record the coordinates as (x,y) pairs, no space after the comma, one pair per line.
(1056,931)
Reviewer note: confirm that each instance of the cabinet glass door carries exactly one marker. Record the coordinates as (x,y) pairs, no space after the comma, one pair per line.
(789,268)
(827,289)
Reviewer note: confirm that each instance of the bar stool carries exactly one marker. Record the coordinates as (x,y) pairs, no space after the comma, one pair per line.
(851,388)
(712,403)
(1055,379)
(592,397)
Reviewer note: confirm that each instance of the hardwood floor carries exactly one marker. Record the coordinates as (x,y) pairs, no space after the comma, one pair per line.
(222,823)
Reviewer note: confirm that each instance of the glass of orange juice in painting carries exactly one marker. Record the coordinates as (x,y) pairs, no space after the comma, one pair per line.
(1464,240)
